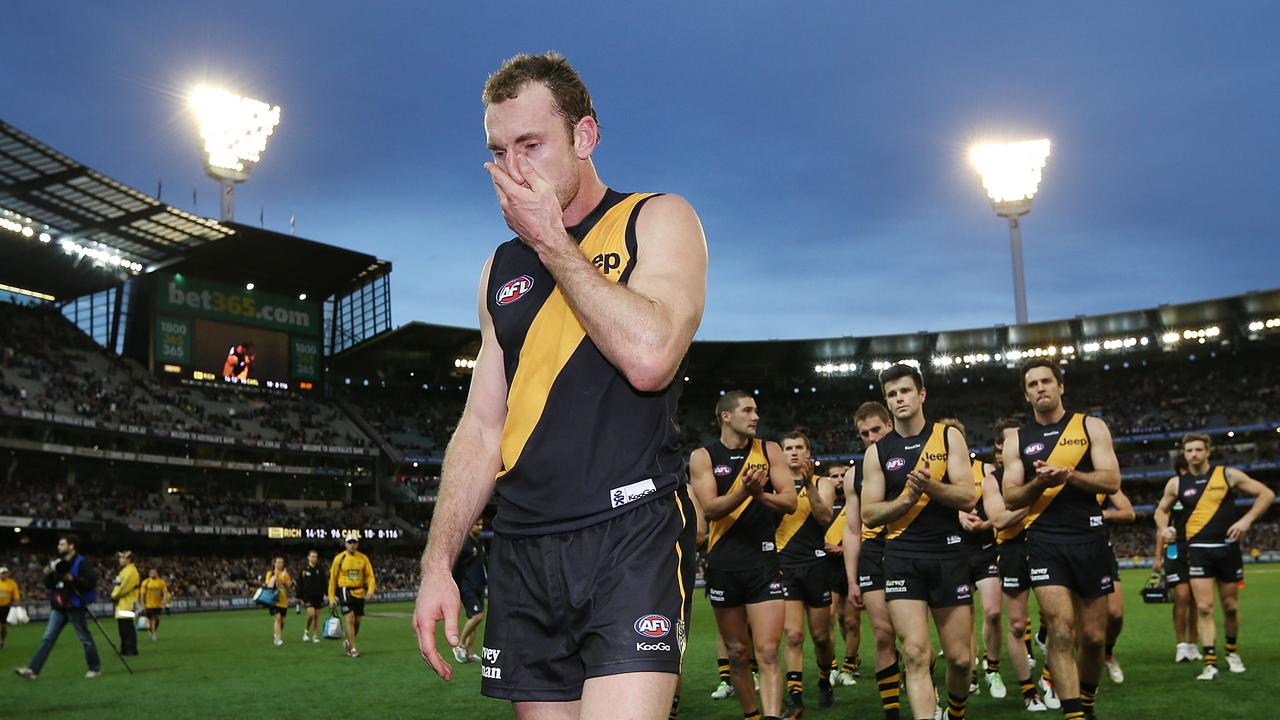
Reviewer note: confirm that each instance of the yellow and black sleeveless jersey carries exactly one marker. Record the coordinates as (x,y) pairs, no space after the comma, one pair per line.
(579,445)
(1063,514)
(800,537)
(986,537)
(1208,508)
(870,535)
(928,528)
(1014,533)
(745,538)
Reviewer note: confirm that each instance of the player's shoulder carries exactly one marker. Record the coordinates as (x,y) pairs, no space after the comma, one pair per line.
(662,211)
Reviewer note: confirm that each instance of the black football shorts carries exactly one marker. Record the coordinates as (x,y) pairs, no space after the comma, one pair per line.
(607,599)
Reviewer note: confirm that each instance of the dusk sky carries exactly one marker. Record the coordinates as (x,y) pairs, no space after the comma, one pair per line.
(823,144)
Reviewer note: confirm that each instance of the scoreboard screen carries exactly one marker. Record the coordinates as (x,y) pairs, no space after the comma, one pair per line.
(211,332)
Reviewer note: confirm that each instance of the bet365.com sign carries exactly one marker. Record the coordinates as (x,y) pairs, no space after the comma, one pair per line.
(192,296)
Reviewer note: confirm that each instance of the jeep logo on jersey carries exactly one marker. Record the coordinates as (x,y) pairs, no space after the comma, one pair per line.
(653,626)
(895,464)
(1033,449)
(722,470)
(513,290)
(607,262)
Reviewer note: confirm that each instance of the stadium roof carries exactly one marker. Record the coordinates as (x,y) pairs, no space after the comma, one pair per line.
(61,200)
(412,347)
(430,350)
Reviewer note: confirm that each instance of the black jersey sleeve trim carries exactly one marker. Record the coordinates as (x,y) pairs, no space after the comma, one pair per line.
(632,242)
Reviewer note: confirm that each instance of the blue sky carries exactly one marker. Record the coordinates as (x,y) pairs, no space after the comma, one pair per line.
(823,144)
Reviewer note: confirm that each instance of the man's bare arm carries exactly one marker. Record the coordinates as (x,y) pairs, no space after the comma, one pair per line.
(1019,491)
(852,527)
(1164,508)
(703,481)
(644,327)
(877,511)
(822,500)
(1105,476)
(960,493)
(1121,510)
(1002,518)
(783,498)
(473,457)
(1263,496)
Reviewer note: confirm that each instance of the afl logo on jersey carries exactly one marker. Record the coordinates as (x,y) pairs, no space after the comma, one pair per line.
(513,290)
(895,464)
(1189,492)
(653,626)
(1033,449)
(721,470)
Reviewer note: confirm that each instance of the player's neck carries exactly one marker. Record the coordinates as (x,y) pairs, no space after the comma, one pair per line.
(797,475)
(1198,469)
(590,192)
(733,439)
(1053,416)
(908,427)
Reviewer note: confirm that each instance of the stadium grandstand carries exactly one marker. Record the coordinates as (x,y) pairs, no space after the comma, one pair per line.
(210,394)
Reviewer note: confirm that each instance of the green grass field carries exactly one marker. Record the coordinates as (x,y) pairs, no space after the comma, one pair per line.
(223,665)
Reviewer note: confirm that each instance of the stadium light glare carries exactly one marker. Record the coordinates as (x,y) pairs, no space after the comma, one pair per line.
(248,286)
(303,296)
(234,131)
(1011,175)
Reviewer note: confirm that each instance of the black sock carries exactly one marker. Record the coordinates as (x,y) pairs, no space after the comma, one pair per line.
(1026,638)
(889,682)
(1028,688)
(850,664)
(755,666)
(1042,634)
(722,667)
(1072,710)
(1230,647)
(753,715)
(675,708)
(795,683)
(993,666)
(1088,693)
(955,707)
(1111,650)
(1210,656)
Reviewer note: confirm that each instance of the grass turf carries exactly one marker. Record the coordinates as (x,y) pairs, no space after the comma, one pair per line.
(223,665)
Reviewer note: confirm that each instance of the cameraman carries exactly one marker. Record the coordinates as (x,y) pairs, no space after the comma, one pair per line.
(71,582)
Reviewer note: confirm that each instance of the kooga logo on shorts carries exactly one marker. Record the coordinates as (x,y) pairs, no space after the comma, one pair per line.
(620,496)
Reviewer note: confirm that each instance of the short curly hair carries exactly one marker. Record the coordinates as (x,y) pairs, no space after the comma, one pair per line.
(573,101)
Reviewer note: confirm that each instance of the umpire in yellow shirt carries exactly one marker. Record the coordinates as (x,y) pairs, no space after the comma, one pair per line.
(9,597)
(125,594)
(351,583)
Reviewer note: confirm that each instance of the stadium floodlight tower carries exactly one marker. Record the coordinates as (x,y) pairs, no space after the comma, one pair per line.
(1011,174)
(234,131)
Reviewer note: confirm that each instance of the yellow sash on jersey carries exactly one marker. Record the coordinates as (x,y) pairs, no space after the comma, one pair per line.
(554,335)
(1068,452)
(936,448)
(756,457)
(1210,500)
(791,522)
(835,533)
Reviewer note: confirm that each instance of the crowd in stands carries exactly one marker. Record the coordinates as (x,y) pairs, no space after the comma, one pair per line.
(203,576)
(49,365)
(98,500)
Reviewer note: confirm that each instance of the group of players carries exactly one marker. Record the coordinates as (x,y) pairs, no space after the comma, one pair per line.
(919,528)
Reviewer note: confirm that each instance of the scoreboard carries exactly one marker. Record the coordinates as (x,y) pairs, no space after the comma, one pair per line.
(211,332)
